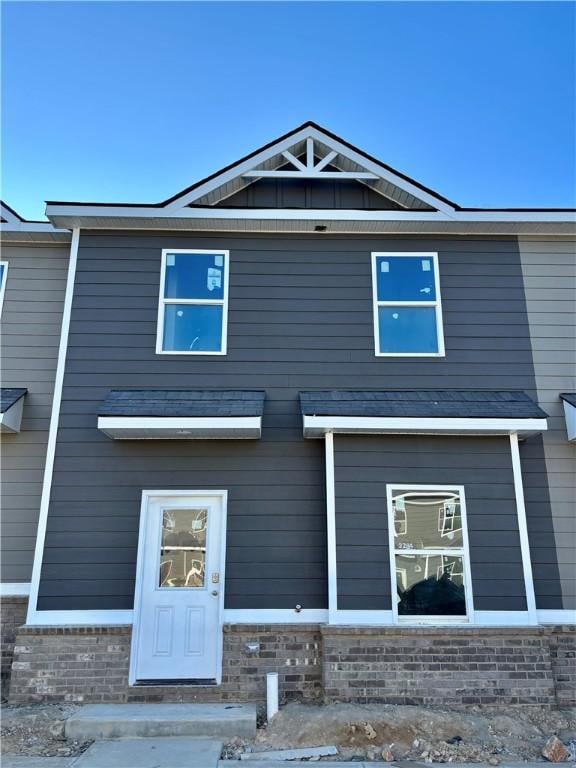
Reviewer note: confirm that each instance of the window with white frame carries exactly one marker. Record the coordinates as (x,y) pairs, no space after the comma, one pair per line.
(3,276)
(429,558)
(407,307)
(193,305)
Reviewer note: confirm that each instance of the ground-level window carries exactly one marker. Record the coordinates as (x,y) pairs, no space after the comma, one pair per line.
(3,275)
(429,553)
(193,304)
(406,305)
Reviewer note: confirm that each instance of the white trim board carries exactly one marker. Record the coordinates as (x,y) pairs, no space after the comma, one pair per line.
(306,616)
(14,589)
(318,426)
(3,283)
(181,428)
(523,528)
(331,527)
(556,616)
(53,430)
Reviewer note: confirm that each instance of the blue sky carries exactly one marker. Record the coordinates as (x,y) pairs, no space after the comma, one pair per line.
(132,101)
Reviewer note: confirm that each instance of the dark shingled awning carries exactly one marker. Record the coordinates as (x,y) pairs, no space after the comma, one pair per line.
(182,402)
(421,404)
(569,397)
(181,414)
(422,411)
(10,396)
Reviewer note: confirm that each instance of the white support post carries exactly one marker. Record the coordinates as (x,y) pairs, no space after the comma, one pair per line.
(523,529)
(331,529)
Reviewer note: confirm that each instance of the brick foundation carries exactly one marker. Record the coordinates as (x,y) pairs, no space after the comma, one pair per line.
(12,616)
(363,664)
(450,665)
(90,664)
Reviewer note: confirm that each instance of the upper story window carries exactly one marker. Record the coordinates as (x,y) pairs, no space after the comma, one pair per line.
(407,308)
(429,553)
(193,305)
(3,275)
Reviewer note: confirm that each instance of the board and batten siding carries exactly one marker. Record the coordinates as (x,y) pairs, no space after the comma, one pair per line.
(549,268)
(365,465)
(300,317)
(29,338)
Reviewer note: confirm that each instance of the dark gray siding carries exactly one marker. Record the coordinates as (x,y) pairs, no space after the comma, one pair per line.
(363,468)
(300,317)
(31,322)
(294,193)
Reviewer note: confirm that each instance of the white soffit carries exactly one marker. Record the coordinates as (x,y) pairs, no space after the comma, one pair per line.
(318,426)
(181,428)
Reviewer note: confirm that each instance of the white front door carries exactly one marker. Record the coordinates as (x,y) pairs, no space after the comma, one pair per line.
(177,631)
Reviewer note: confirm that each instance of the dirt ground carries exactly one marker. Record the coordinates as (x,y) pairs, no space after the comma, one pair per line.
(416,733)
(37,730)
(486,735)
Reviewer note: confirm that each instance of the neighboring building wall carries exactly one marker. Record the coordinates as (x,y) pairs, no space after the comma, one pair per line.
(483,465)
(300,317)
(549,268)
(30,335)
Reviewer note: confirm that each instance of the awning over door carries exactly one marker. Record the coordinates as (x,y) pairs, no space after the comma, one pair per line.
(177,414)
(569,399)
(11,407)
(420,412)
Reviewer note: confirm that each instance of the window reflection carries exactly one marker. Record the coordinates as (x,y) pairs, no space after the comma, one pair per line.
(183,548)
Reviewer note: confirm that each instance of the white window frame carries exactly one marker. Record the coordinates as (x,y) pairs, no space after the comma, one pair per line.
(437,303)
(163,302)
(425,490)
(3,283)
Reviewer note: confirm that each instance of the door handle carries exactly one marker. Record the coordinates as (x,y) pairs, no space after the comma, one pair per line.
(215,593)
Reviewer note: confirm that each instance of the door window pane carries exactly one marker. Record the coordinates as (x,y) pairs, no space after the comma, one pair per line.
(192,327)
(407,329)
(194,276)
(405,278)
(183,548)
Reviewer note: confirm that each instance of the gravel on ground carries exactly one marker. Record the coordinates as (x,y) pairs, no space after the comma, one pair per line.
(38,729)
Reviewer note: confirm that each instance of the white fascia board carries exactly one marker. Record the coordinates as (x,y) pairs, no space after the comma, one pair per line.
(570,416)
(30,226)
(15,589)
(11,419)
(177,428)
(270,214)
(318,426)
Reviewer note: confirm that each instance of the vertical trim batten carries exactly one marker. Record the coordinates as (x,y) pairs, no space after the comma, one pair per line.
(331,529)
(53,430)
(523,528)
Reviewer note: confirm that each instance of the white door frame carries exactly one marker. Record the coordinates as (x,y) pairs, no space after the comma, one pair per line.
(137,615)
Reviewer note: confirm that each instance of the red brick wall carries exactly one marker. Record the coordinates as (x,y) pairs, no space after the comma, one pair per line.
(12,616)
(393,665)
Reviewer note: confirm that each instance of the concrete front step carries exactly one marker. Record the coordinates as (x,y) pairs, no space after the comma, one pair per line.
(124,721)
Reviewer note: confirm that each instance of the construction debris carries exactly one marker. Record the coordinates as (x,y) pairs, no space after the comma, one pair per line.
(554,751)
(304,753)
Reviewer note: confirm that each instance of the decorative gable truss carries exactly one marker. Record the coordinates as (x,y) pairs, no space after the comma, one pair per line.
(311,153)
